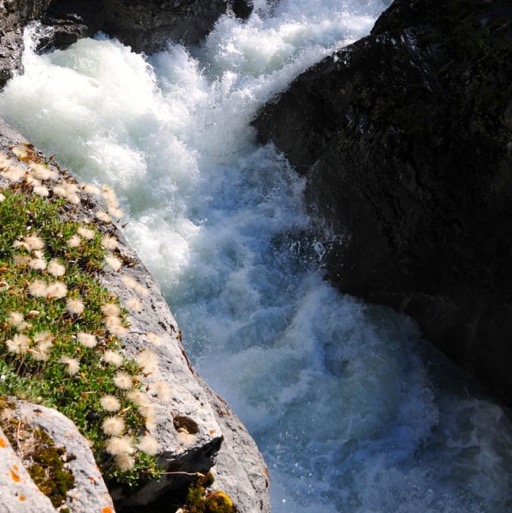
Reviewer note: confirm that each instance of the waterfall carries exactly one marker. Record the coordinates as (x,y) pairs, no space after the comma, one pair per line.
(354,412)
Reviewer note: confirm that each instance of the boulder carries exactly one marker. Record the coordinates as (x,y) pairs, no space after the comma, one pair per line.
(15,15)
(405,138)
(148,26)
(195,430)
(39,430)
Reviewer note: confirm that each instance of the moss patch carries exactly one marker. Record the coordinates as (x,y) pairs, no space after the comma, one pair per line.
(202,500)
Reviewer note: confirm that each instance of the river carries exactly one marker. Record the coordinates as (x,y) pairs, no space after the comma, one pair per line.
(353,411)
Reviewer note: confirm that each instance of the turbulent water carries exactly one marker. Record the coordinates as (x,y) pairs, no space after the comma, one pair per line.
(353,412)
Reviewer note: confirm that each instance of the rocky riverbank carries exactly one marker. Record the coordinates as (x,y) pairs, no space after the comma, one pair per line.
(405,138)
(193,428)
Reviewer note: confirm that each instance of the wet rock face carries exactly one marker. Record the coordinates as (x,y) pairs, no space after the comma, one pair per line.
(14,16)
(148,26)
(406,140)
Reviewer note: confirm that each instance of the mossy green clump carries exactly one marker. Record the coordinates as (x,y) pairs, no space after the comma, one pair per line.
(48,471)
(61,330)
(202,500)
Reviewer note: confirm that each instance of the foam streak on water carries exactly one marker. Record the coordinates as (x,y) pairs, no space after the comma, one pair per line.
(351,412)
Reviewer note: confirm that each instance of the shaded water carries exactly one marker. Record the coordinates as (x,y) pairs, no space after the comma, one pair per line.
(353,412)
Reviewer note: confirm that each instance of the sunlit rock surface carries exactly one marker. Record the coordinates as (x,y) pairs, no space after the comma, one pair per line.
(195,429)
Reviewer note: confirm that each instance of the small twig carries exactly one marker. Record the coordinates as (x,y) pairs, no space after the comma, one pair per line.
(177,472)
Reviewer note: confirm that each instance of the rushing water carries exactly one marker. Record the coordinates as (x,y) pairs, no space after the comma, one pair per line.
(353,412)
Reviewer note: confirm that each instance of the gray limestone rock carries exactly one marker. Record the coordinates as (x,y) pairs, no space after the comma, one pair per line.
(195,430)
(89,492)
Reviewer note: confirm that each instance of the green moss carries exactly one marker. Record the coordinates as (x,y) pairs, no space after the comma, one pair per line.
(201,500)
(48,470)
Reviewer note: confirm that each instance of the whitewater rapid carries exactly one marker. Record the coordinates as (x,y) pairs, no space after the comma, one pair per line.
(353,411)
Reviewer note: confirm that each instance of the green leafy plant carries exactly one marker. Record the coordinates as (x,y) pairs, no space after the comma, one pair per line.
(61,331)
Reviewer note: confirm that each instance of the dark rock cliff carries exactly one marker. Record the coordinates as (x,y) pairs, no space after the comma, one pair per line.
(146,26)
(406,140)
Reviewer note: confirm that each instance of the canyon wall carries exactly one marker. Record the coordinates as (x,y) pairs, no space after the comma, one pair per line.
(405,138)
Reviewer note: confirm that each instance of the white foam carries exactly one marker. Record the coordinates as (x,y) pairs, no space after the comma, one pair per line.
(339,395)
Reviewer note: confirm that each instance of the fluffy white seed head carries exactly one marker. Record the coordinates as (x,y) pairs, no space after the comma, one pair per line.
(5,161)
(123,380)
(87,340)
(113,358)
(72,364)
(109,195)
(39,353)
(56,290)
(44,340)
(110,310)
(110,403)
(116,213)
(74,241)
(148,360)
(15,318)
(60,191)
(38,288)
(109,243)
(120,445)
(113,426)
(31,180)
(124,462)
(86,233)
(41,172)
(14,173)
(113,262)
(148,445)
(90,189)
(140,399)
(55,268)
(41,190)
(33,242)
(38,264)
(75,306)
(103,216)
(19,344)
(114,325)
(149,414)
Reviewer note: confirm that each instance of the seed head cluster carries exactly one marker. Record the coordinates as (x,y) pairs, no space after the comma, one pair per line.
(60,325)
